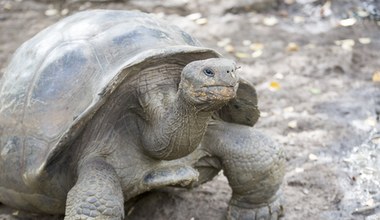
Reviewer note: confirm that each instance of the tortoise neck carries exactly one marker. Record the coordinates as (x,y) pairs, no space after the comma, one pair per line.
(177,129)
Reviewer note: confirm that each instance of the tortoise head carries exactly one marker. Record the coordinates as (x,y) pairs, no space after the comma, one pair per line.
(209,83)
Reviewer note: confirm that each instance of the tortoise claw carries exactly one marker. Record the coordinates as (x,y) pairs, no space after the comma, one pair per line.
(271,211)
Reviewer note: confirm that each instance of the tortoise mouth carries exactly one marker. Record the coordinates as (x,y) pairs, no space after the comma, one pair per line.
(216,93)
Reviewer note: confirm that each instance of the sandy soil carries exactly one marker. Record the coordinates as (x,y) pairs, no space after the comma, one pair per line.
(317,91)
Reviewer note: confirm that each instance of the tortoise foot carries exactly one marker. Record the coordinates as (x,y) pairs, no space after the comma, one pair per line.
(267,211)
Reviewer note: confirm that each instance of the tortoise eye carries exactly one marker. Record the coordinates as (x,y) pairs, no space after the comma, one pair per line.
(208,72)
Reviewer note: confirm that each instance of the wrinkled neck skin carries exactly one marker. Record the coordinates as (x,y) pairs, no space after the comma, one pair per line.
(176,128)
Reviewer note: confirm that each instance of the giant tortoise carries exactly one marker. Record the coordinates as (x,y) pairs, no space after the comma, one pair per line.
(106,105)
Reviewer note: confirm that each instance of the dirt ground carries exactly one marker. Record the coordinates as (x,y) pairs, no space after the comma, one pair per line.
(316,67)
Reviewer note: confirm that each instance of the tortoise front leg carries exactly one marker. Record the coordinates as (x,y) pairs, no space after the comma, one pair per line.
(254,166)
(97,193)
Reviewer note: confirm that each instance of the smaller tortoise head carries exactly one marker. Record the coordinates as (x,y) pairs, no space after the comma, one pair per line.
(210,83)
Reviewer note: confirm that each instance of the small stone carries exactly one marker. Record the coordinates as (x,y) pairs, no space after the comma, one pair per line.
(201,21)
(65,12)
(346,44)
(305,191)
(270,21)
(363,13)
(347,22)
(313,157)
(371,121)
(299,170)
(298,19)
(278,76)
(292,47)
(15,213)
(264,114)
(194,16)
(257,53)
(51,12)
(364,40)
(293,124)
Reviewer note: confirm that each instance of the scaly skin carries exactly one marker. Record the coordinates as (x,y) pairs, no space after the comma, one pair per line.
(97,194)
(175,126)
(254,166)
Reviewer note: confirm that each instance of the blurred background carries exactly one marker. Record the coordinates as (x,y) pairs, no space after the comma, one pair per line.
(316,68)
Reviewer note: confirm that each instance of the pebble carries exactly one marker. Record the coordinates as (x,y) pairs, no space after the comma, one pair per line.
(292,47)
(194,16)
(201,21)
(65,12)
(364,40)
(363,13)
(298,19)
(270,21)
(305,191)
(293,124)
(51,12)
(257,53)
(279,76)
(346,44)
(313,157)
(347,22)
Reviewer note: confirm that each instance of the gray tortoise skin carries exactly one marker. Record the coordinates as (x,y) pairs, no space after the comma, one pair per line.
(105,105)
